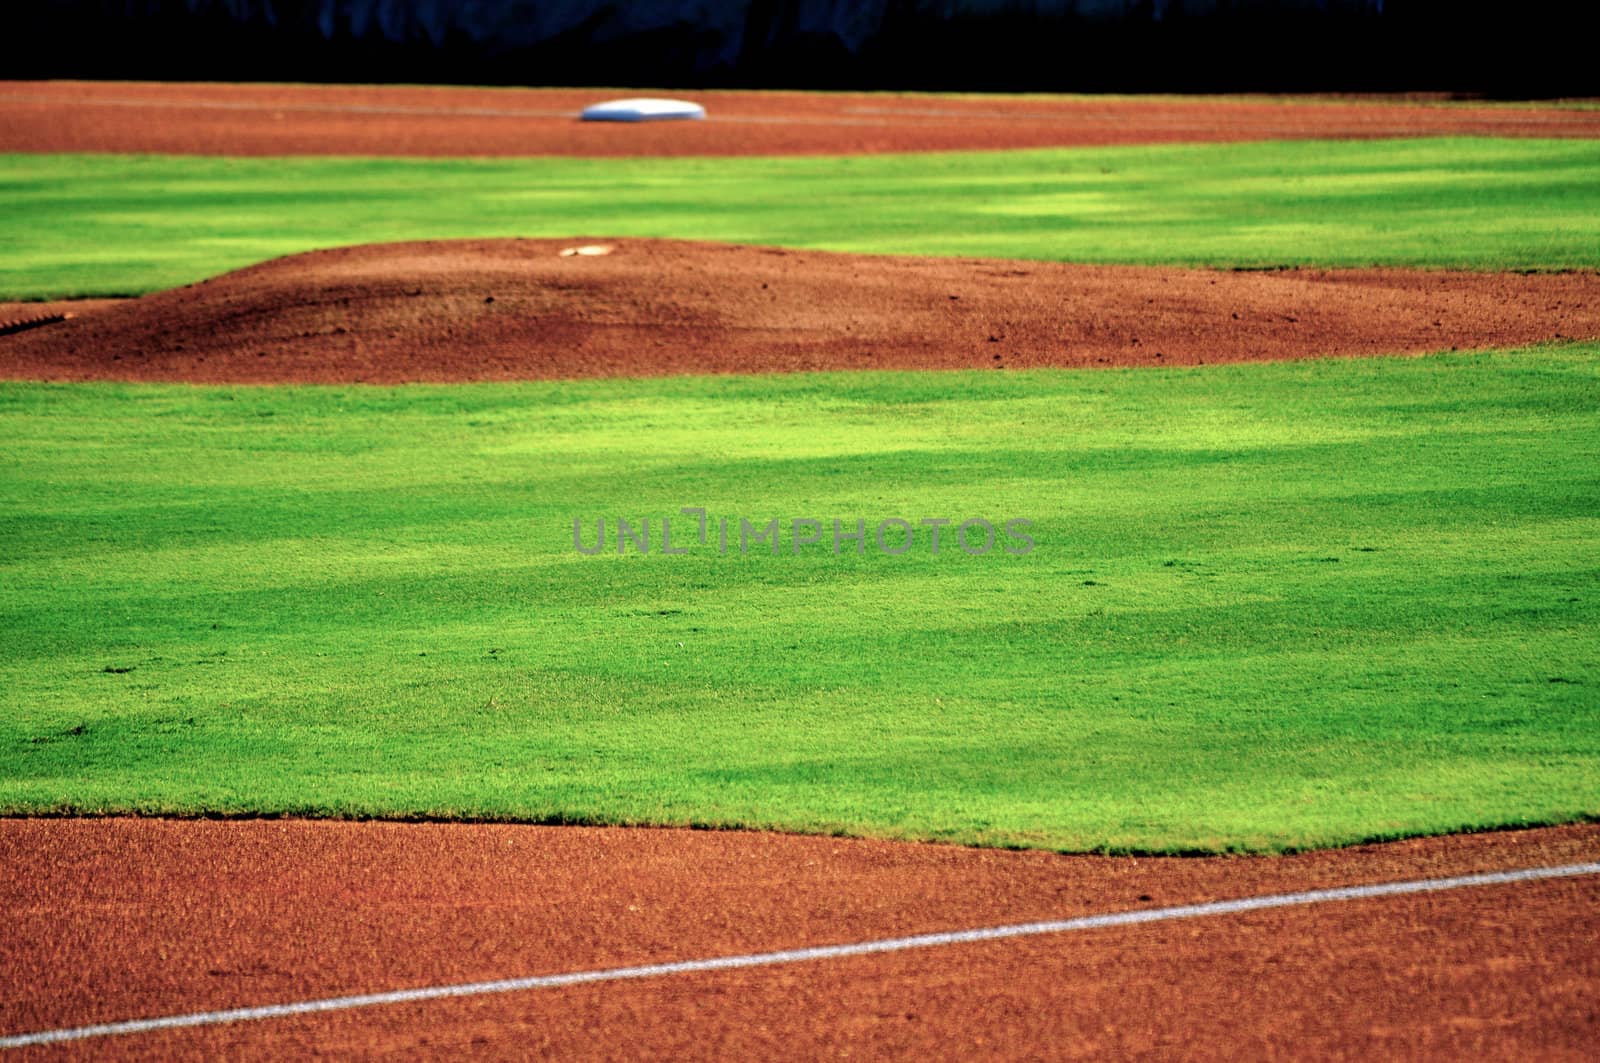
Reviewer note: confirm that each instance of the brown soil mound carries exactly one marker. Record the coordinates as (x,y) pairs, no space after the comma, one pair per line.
(119,919)
(424,121)
(519,309)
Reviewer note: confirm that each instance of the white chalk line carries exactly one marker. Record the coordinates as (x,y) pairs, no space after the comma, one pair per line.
(267,105)
(824,952)
(1204,119)
(398,109)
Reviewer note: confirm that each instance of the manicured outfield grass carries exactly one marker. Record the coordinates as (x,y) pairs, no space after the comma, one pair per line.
(1270,606)
(87,225)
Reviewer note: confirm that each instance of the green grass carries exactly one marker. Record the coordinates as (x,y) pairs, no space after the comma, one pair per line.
(95,225)
(1270,606)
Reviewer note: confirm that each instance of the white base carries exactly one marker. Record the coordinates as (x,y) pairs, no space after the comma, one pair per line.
(641,110)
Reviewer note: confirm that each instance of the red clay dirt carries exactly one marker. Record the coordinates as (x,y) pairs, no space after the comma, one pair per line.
(130,918)
(208,119)
(518,309)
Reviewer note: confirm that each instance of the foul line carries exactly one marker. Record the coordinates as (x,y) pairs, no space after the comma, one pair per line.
(825,952)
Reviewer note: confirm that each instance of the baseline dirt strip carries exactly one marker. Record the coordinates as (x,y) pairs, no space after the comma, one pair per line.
(127,917)
(826,952)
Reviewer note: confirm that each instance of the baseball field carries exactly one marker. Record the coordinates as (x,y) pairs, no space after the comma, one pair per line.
(1029,577)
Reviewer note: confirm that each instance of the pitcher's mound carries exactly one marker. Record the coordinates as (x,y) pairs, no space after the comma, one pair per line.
(538,309)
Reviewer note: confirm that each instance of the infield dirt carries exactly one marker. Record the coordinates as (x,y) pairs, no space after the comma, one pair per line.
(48,116)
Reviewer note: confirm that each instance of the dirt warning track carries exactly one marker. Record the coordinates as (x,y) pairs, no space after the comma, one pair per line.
(520,309)
(209,119)
(122,919)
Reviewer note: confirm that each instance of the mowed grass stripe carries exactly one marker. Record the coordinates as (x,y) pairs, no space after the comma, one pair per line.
(1271,606)
(114,225)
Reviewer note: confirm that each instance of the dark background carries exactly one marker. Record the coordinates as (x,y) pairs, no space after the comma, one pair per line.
(1536,48)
